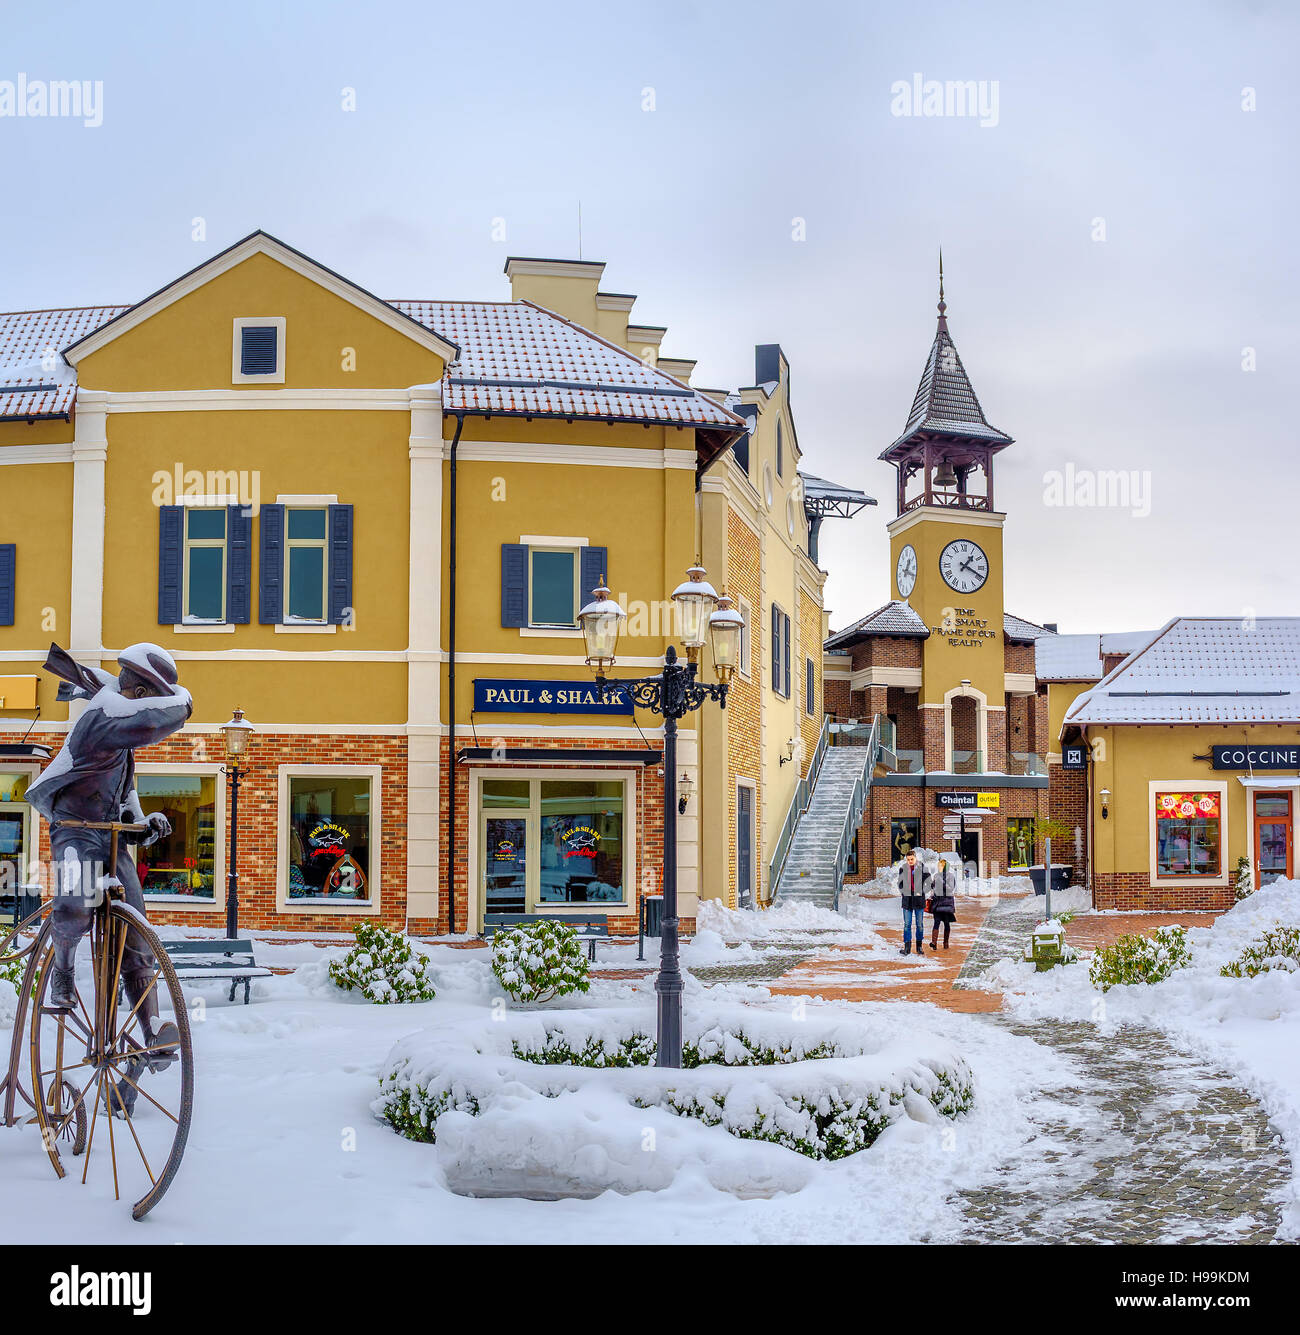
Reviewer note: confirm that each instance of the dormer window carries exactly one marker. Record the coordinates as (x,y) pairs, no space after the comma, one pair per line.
(258,354)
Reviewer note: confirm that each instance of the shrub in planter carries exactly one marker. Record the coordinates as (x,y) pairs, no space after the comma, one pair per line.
(539,960)
(383,967)
(1277,949)
(1140,959)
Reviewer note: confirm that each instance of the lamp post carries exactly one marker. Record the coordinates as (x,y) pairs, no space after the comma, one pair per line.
(674,693)
(236,734)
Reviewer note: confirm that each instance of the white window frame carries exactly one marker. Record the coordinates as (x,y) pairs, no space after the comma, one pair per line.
(756,889)
(1156,786)
(214,772)
(31,822)
(570,550)
(186,543)
(242,322)
(629,779)
(323,544)
(368,908)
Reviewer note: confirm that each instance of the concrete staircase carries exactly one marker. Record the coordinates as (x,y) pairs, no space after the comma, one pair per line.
(809,872)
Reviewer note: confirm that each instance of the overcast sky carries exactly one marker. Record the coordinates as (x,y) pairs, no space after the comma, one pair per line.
(694,136)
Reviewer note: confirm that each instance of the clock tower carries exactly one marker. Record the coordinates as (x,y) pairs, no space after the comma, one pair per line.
(946,557)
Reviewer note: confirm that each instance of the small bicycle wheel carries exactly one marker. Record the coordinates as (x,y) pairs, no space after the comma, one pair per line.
(102,1082)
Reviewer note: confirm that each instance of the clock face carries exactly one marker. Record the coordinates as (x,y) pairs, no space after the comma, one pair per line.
(963,565)
(905,574)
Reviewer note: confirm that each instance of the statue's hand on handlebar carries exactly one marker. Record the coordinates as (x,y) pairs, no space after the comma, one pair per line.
(159,828)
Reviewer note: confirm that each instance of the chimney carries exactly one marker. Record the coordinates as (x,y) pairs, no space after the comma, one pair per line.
(568,287)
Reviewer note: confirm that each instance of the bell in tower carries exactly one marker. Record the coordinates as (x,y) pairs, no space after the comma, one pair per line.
(948,443)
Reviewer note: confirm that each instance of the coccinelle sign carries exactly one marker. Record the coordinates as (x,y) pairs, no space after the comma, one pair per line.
(1255,757)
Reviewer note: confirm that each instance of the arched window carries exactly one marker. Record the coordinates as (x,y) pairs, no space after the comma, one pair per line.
(780,452)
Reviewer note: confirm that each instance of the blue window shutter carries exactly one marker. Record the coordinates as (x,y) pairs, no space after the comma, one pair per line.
(340,564)
(514,584)
(258,349)
(171,563)
(239,564)
(785,654)
(593,566)
(270,599)
(776,648)
(8,562)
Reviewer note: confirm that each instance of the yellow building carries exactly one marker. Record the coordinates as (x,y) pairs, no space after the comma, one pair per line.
(370,524)
(1190,748)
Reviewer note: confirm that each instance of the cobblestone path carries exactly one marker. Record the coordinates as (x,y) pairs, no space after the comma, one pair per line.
(1150,1144)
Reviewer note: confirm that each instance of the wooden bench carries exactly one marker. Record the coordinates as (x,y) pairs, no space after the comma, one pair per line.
(217,959)
(590,927)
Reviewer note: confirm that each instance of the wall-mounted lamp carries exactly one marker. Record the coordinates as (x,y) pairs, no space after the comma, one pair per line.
(789,752)
(685,787)
(1105,803)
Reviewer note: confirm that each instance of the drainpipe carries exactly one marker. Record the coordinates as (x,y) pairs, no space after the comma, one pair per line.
(451,687)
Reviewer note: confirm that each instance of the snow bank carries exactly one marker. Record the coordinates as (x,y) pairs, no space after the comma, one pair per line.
(1249,1025)
(715,921)
(508,1109)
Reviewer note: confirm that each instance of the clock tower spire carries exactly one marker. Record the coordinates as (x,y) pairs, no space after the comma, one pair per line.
(946,544)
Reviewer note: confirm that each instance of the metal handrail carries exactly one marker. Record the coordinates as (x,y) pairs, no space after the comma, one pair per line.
(857,808)
(798,805)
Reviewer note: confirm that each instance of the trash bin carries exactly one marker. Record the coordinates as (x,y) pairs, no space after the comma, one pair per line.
(1060,877)
(652,915)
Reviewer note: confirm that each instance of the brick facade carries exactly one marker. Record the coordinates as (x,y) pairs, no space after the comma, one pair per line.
(1126,890)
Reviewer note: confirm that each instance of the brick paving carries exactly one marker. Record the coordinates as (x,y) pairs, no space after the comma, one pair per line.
(1150,1144)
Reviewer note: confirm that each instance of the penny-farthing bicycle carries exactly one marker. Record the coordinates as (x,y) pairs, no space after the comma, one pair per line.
(97,1087)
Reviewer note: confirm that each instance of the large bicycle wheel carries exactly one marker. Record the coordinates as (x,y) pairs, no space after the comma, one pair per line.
(96,1061)
(19,948)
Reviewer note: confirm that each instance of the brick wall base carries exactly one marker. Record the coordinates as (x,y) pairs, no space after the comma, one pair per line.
(1133,891)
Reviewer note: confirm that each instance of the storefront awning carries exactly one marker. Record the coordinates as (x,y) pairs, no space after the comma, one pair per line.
(1269,780)
(568,756)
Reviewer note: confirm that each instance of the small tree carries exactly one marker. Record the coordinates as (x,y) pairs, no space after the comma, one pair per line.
(539,960)
(383,967)
(1244,883)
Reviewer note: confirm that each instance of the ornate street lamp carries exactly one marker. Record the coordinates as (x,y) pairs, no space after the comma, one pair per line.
(236,734)
(674,693)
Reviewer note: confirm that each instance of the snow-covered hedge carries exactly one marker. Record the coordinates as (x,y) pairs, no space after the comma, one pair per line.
(822,1090)
(539,960)
(383,967)
(1140,959)
(1278,948)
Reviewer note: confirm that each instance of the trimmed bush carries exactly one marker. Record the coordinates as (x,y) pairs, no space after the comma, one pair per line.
(1244,882)
(1140,959)
(1278,949)
(383,967)
(539,960)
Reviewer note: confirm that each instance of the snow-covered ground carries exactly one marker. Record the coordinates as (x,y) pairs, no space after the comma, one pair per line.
(1250,1026)
(285,1145)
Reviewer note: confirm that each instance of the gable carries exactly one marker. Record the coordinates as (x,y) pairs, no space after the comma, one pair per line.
(335,335)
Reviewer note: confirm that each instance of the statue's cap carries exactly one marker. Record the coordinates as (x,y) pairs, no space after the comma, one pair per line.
(153,663)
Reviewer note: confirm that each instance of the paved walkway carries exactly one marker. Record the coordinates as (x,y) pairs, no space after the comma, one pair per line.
(1150,1144)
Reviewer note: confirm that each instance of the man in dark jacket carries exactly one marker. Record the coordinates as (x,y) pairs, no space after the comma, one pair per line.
(914,885)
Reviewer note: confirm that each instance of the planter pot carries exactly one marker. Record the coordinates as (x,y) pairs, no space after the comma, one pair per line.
(1060,877)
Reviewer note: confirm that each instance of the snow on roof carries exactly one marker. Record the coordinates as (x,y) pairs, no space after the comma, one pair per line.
(1126,641)
(515,358)
(1017,628)
(895,618)
(35,381)
(522,359)
(1203,670)
(1068,658)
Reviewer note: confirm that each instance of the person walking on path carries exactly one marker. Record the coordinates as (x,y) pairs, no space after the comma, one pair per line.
(913,884)
(943,903)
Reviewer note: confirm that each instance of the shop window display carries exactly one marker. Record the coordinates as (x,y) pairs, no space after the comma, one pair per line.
(1188,834)
(182,865)
(329,837)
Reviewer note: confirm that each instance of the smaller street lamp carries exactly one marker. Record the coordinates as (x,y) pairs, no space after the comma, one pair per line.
(236,735)
(601,620)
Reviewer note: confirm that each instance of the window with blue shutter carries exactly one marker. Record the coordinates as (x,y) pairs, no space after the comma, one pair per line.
(270,598)
(593,568)
(514,584)
(259,349)
(810,687)
(780,652)
(8,566)
(785,647)
(171,563)
(340,564)
(239,564)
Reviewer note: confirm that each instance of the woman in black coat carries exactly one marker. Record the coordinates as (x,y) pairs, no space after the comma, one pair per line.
(943,904)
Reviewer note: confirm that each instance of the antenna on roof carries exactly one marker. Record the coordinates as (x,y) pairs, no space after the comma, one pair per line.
(580,229)
(943,305)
